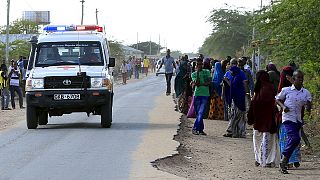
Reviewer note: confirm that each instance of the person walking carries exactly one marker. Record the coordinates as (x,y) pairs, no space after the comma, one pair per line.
(216,103)
(146,64)
(4,87)
(124,71)
(14,75)
(237,124)
(292,100)
(261,116)
(201,80)
(181,85)
(226,94)
(136,67)
(169,64)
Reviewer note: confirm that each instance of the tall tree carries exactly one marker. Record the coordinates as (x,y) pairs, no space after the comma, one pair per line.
(117,52)
(20,26)
(145,47)
(295,25)
(230,32)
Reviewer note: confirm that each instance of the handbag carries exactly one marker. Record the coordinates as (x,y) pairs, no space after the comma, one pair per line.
(191,112)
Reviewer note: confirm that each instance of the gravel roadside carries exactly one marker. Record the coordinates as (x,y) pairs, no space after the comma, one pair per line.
(217,157)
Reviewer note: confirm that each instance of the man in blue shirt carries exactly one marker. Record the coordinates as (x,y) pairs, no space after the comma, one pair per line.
(169,64)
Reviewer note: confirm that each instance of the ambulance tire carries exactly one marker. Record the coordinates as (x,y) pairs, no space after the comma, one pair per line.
(106,115)
(32,117)
(43,118)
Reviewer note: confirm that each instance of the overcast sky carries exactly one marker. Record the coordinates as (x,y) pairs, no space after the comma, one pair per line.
(180,23)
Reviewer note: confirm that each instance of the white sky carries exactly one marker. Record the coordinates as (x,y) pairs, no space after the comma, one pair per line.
(180,23)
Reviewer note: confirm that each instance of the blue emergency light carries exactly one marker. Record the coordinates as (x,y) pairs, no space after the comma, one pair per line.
(61,28)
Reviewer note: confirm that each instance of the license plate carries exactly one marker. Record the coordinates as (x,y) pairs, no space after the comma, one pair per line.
(66,96)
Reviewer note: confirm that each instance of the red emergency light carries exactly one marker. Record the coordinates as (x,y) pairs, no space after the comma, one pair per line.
(89,28)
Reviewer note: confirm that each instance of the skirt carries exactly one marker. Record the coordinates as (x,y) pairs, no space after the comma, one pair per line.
(265,147)
(296,155)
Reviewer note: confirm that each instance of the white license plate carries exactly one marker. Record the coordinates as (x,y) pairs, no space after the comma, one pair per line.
(66,96)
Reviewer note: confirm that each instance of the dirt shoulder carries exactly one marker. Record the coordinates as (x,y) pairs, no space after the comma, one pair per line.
(217,157)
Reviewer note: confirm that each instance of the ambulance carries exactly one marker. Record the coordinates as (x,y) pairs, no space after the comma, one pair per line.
(69,70)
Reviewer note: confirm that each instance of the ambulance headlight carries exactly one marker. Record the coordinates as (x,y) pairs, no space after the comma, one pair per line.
(101,82)
(96,82)
(34,84)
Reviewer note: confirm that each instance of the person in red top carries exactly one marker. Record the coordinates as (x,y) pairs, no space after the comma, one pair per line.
(261,115)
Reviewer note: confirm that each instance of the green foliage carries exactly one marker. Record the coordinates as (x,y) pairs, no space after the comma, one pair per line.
(17,48)
(295,24)
(230,32)
(145,47)
(20,26)
(116,51)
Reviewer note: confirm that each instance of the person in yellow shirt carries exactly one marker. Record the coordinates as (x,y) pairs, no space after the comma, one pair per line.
(4,87)
(146,64)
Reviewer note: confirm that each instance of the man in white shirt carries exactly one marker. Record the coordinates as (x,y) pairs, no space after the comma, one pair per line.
(292,99)
(14,75)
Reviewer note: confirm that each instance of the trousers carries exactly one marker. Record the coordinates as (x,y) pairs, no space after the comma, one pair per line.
(17,89)
(168,80)
(200,103)
(4,98)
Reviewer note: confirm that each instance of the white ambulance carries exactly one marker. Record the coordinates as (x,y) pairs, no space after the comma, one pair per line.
(69,70)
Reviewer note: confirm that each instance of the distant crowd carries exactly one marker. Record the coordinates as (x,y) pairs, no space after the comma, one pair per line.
(136,66)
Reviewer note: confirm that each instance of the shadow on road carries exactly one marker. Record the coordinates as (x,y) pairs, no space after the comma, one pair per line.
(115,126)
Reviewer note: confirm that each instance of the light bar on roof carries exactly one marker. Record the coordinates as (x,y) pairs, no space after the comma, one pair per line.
(61,28)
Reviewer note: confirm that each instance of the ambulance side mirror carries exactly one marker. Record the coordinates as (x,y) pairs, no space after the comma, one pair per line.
(112,62)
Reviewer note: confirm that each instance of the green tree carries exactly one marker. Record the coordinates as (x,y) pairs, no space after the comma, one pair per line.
(145,47)
(117,52)
(20,26)
(295,26)
(230,32)
(19,48)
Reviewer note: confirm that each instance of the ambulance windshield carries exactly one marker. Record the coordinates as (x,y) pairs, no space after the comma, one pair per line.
(69,53)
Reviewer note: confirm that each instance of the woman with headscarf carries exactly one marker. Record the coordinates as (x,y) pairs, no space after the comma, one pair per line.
(182,85)
(226,89)
(274,75)
(237,124)
(261,115)
(216,103)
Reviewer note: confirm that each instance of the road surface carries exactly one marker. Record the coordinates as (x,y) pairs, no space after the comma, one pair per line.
(76,147)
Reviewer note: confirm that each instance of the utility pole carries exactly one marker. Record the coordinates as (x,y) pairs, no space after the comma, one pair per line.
(7,32)
(137,40)
(97,16)
(150,45)
(159,46)
(82,1)
(254,49)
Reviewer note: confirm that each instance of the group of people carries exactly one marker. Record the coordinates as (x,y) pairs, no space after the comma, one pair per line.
(135,66)
(12,81)
(274,103)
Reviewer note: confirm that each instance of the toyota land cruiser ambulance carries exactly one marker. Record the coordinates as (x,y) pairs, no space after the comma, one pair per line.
(69,71)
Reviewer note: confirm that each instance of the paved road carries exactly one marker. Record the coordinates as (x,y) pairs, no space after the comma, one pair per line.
(75,147)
